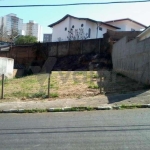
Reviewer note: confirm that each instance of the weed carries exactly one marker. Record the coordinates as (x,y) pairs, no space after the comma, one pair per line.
(75,82)
(93,86)
(35,111)
(78,97)
(129,106)
(79,72)
(95,76)
(38,95)
(18,94)
(52,85)
(54,95)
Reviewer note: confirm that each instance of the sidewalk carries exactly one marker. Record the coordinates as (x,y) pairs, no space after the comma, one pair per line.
(140,97)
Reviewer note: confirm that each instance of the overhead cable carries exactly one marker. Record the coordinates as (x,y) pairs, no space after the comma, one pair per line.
(76,4)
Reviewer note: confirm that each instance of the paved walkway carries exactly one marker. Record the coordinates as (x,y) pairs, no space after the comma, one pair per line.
(140,97)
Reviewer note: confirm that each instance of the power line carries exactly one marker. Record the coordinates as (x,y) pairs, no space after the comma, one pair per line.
(75,4)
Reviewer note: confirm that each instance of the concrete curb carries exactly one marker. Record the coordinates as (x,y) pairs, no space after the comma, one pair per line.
(69,109)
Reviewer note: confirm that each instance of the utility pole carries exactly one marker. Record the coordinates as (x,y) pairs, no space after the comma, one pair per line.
(2,92)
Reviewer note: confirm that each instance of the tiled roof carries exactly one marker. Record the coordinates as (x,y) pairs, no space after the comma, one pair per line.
(126,19)
(57,22)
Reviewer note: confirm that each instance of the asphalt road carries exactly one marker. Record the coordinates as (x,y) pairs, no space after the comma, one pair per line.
(95,130)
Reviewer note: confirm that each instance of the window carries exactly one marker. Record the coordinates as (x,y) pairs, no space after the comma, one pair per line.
(89,33)
(100,28)
(82,25)
(65,29)
(132,29)
(73,26)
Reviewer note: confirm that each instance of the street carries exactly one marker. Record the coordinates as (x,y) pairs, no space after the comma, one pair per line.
(95,130)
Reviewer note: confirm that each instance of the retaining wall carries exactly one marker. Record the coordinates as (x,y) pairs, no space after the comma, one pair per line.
(132,59)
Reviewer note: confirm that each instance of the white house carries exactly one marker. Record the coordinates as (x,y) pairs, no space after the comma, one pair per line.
(73,28)
(144,35)
(127,24)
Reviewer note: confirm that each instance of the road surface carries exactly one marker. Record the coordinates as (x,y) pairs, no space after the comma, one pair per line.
(95,130)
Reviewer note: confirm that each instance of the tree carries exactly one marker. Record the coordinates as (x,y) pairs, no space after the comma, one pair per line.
(12,35)
(26,40)
(8,36)
(77,34)
(3,34)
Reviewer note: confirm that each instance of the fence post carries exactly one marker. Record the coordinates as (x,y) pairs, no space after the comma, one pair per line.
(99,46)
(68,47)
(81,47)
(57,49)
(2,92)
(49,77)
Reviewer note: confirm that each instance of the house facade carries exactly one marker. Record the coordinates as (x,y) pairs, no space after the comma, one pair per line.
(144,35)
(73,28)
(127,24)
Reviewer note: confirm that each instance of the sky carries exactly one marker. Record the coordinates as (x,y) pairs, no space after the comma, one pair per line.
(47,15)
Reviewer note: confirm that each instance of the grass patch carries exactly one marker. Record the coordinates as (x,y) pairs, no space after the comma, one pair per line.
(65,84)
(38,95)
(54,95)
(93,86)
(131,106)
(79,109)
(35,111)
(18,94)
(79,72)
(95,76)
(75,82)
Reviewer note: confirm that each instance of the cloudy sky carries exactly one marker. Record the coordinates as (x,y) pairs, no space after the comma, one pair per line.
(48,15)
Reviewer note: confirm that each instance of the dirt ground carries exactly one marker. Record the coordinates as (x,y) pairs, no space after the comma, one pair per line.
(77,84)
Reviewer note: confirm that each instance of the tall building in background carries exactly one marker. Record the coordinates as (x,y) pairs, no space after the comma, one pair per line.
(47,38)
(11,23)
(34,29)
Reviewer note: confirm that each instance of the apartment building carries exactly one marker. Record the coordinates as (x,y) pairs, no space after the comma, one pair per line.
(34,29)
(47,38)
(11,23)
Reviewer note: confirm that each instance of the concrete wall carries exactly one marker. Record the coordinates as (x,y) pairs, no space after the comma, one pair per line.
(23,55)
(132,59)
(145,34)
(6,67)
(37,54)
(59,49)
(117,35)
